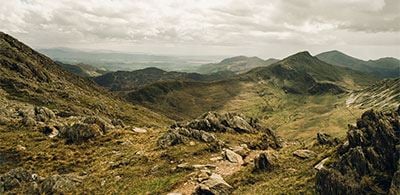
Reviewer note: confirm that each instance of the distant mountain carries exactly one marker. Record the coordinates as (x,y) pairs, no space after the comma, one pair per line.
(83,70)
(131,80)
(303,73)
(238,64)
(115,61)
(383,67)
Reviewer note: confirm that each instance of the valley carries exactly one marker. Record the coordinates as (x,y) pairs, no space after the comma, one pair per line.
(240,126)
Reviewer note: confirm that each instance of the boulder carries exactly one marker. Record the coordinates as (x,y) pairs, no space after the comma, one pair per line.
(326,139)
(97,121)
(232,157)
(368,162)
(268,140)
(264,162)
(59,184)
(44,114)
(215,184)
(80,132)
(304,154)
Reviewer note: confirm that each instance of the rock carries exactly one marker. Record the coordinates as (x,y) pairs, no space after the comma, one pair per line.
(215,184)
(97,121)
(181,135)
(59,184)
(304,154)
(44,114)
(264,162)
(268,140)
(139,130)
(325,139)
(371,152)
(241,150)
(320,165)
(218,158)
(14,178)
(231,156)
(80,132)
(50,131)
(214,122)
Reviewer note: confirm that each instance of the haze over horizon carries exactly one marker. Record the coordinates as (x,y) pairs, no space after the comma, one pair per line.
(366,29)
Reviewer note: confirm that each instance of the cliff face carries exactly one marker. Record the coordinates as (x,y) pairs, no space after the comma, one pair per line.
(368,162)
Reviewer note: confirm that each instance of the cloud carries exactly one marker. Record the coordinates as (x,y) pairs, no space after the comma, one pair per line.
(228,23)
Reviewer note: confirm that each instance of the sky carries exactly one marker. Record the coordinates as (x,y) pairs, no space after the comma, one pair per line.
(366,29)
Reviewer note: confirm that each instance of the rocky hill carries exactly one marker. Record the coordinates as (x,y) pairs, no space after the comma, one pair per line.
(83,70)
(238,64)
(303,73)
(384,67)
(368,162)
(133,80)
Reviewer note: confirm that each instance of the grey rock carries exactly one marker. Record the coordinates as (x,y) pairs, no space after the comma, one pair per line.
(264,162)
(231,156)
(215,184)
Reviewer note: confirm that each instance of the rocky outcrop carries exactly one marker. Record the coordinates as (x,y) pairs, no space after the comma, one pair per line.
(368,163)
(229,122)
(201,129)
(268,140)
(181,135)
(215,184)
(326,139)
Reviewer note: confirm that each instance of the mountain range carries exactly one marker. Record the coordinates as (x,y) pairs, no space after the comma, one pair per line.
(300,125)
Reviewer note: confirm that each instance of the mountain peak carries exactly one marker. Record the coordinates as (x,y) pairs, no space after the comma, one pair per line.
(300,56)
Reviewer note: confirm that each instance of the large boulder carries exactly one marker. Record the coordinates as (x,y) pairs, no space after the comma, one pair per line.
(215,184)
(368,163)
(232,157)
(80,132)
(264,162)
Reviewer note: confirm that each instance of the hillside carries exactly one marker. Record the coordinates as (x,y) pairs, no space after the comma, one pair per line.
(383,95)
(384,67)
(238,64)
(83,70)
(303,73)
(125,80)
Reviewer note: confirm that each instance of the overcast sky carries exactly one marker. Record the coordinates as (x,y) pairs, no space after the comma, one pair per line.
(274,28)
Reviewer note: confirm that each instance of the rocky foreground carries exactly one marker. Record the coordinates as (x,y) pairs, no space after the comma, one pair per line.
(369,161)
